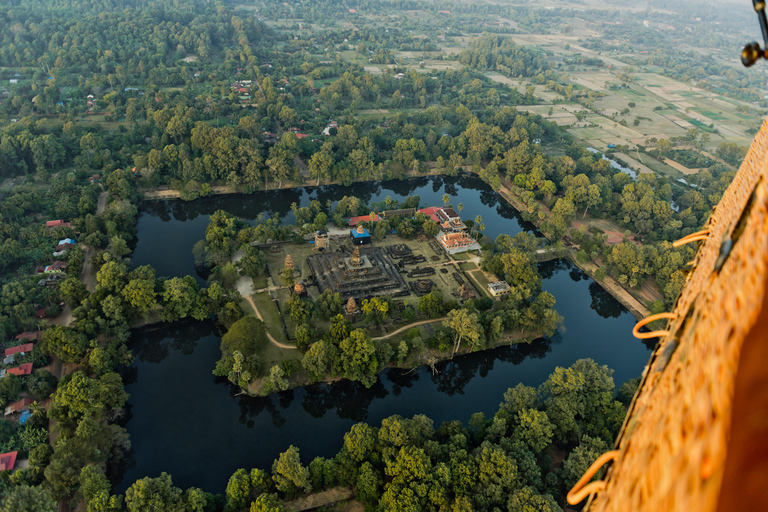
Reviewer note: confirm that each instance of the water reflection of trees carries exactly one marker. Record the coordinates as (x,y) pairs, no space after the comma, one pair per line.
(576,274)
(251,407)
(604,303)
(548,269)
(153,344)
(454,375)
(244,206)
(437,184)
(402,379)
(350,399)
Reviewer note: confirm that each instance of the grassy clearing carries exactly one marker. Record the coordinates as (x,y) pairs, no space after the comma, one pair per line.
(467,266)
(479,280)
(260,281)
(269,313)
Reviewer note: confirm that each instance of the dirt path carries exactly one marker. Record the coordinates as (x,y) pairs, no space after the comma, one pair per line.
(175,194)
(422,322)
(614,288)
(88,277)
(65,318)
(246,289)
(320,499)
(269,336)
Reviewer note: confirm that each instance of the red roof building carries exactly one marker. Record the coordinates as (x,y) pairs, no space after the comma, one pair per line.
(63,247)
(58,265)
(20,406)
(354,221)
(432,213)
(40,313)
(24,369)
(29,335)
(20,349)
(57,224)
(8,461)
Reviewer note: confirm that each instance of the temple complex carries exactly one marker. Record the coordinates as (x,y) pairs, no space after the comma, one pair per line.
(366,272)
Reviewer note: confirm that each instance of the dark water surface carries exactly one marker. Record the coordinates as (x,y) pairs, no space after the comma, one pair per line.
(187,423)
(167,230)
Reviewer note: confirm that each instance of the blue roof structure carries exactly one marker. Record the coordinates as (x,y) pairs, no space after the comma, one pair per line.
(24,417)
(355,234)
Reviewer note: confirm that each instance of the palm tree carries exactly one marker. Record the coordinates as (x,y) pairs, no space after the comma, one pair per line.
(460,207)
(446,198)
(37,410)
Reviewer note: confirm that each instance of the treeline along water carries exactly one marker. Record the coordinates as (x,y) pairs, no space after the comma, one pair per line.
(167,230)
(189,424)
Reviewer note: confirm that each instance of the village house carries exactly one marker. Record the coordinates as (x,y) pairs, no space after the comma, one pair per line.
(57,224)
(24,369)
(52,280)
(14,352)
(54,268)
(8,461)
(29,336)
(63,246)
(20,406)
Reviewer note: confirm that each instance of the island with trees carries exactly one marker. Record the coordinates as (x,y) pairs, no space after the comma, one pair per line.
(355,299)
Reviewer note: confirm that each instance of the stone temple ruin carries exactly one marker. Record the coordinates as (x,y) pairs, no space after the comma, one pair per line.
(366,272)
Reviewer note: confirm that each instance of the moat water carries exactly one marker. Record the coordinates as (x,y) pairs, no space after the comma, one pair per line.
(188,423)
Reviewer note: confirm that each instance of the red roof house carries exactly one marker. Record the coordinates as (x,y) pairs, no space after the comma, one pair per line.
(29,335)
(24,369)
(8,461)
(58,265)
(20,406)
(40,313)
(21,348)
(57,224)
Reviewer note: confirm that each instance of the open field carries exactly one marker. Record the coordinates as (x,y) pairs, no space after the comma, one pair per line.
(634,164)
(269,313)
